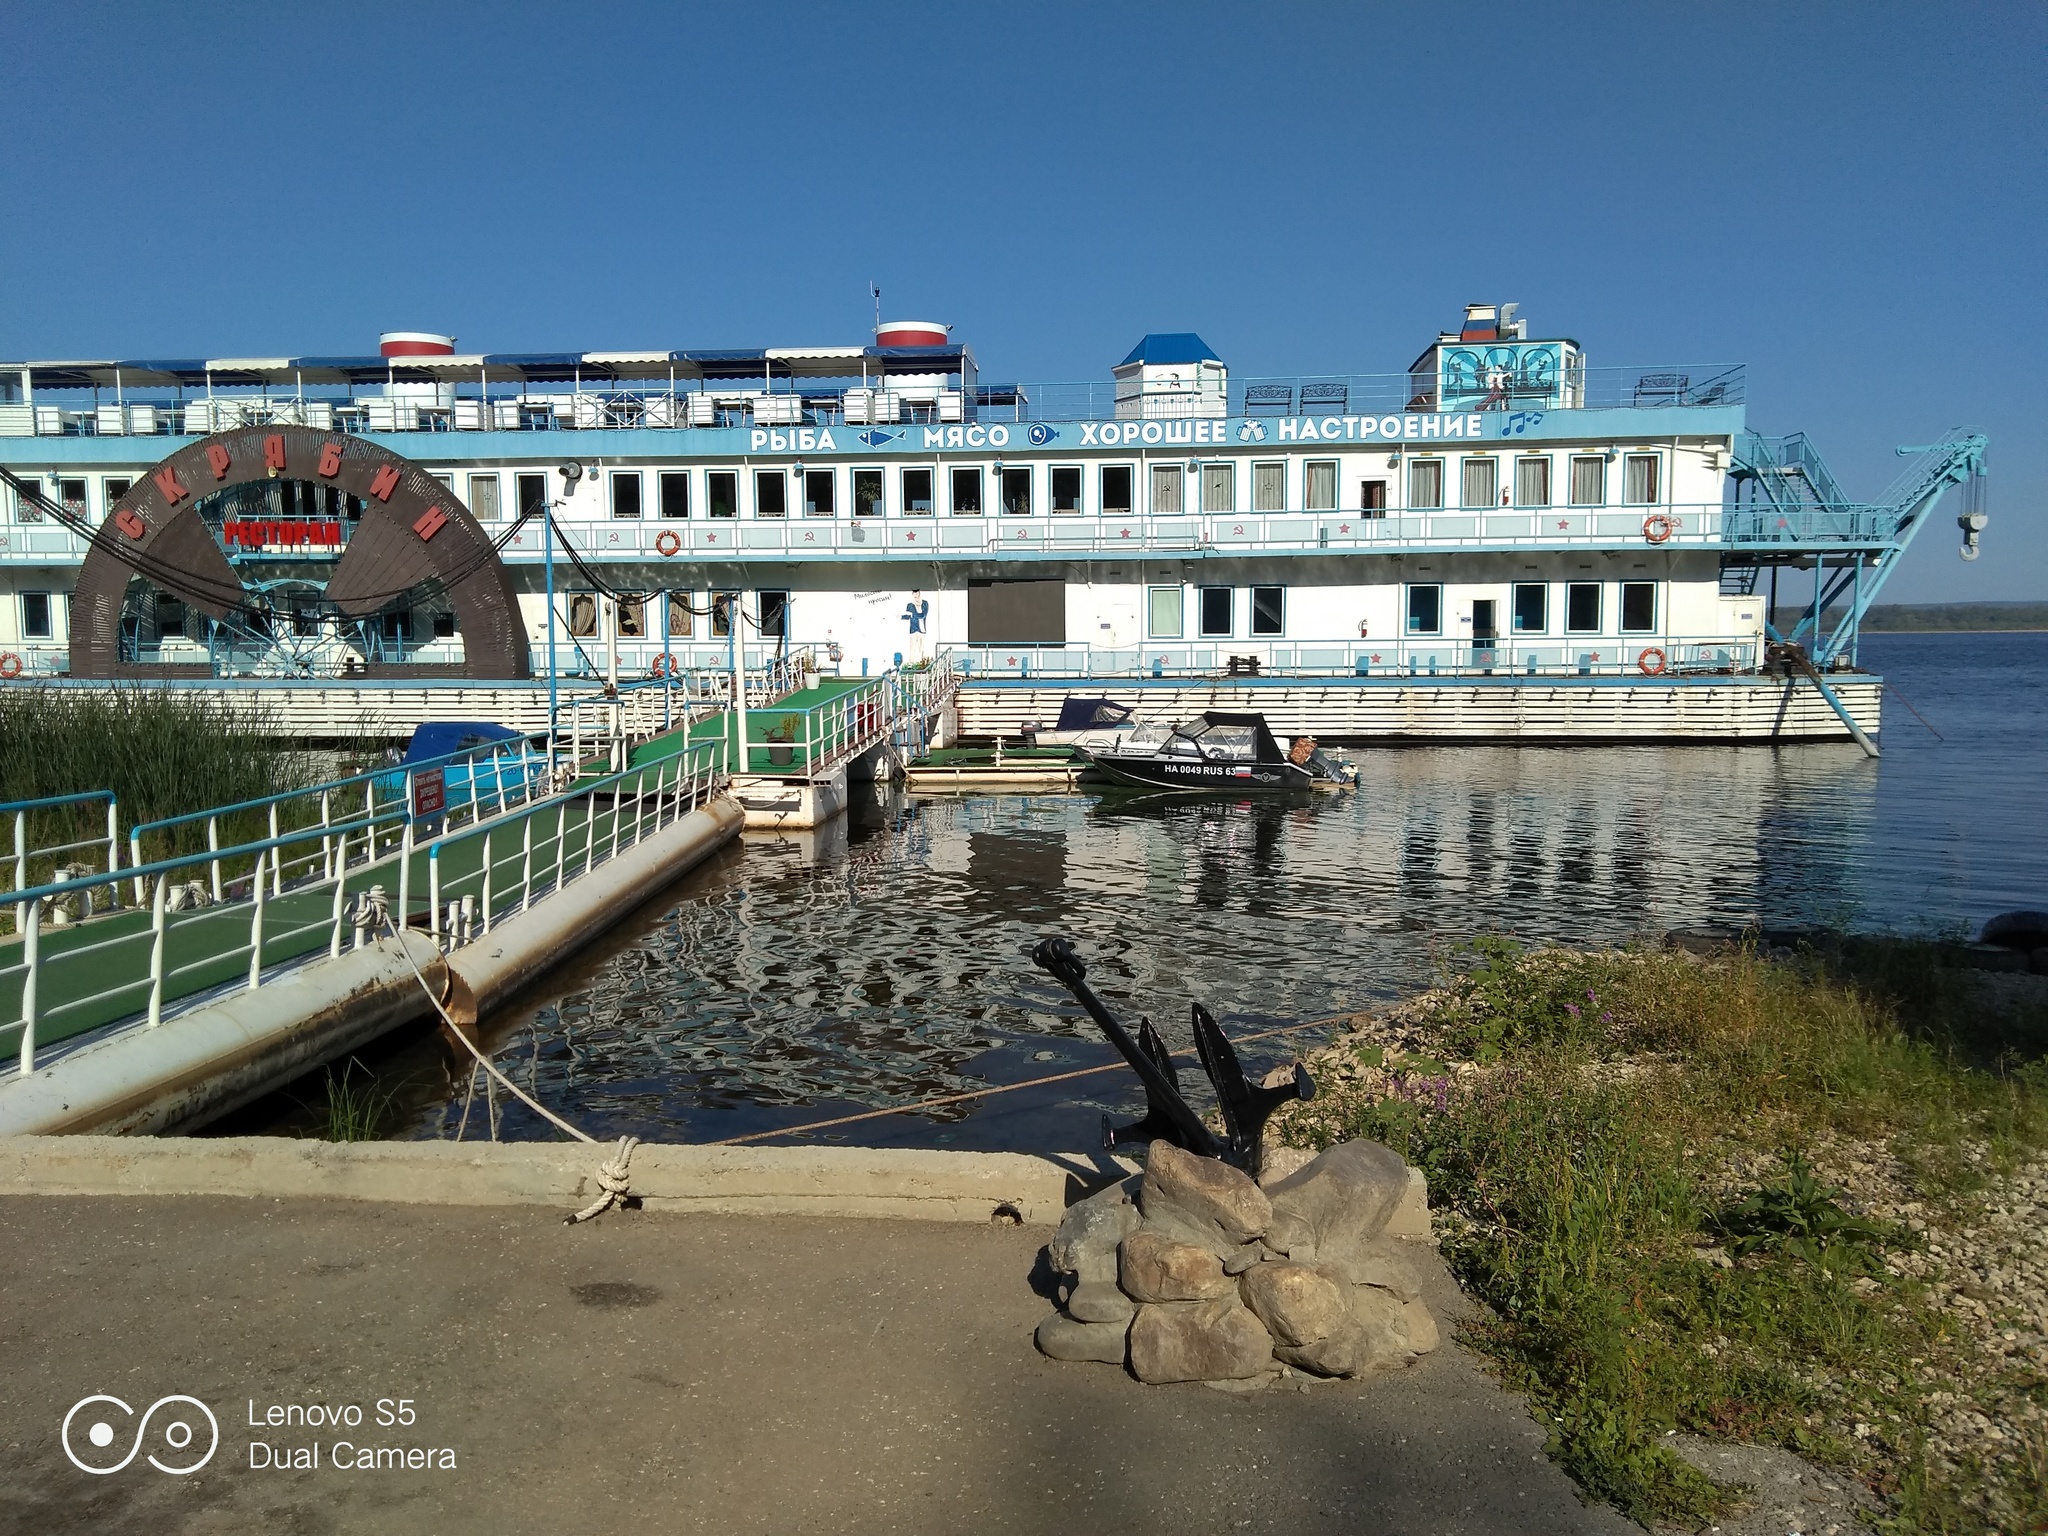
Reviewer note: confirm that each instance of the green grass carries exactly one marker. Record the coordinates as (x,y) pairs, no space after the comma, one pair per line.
(356,1110)
(1624,1178)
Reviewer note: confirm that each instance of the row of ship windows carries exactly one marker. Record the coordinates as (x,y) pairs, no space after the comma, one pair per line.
(815,492)
(1166,611)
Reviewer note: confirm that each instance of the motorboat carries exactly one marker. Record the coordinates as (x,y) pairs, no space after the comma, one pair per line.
(1217,750)
(1087,723)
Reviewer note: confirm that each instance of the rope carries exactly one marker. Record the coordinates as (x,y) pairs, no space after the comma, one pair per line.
(1894,691)
(613,1180)
(984,1093)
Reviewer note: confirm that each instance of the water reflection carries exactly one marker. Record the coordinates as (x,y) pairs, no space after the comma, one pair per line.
(883,960)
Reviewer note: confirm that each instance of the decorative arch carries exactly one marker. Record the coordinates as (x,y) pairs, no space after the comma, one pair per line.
(413,530)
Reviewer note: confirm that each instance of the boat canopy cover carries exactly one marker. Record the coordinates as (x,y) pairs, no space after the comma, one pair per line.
(1248,729)
(438,738)
(1090,715)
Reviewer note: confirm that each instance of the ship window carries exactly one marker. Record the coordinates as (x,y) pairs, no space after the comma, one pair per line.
(721,615)
(1582,608)
(1319,484)
(1269,610)
(722,492)
(1425,609)
(1017,491)
(629,616)
(582,615)
(1532,482)
(1480,482)
(680,617)
(1219,487)
(170,615)
(675,493)
(444,624)
(1426,483)
(774,615)
(1639,480)
(1166,489)
(1638,607)
(1532,608)
(625,495)
(1116,490)
(867,493)
(1215,614)
(483,497)
(1372,497)
(771,493)
(1066,488)
(1164,613)
(1589,481)
(818,493)
(72,494)
(1269,487)
(917,492)
(967,492)
(532,491)
(116,489)
(35,615)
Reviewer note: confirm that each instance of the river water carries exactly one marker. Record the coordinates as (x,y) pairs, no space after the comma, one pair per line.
(884,960)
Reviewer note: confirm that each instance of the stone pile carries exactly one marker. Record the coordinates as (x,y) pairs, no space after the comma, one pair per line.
(1191,1272)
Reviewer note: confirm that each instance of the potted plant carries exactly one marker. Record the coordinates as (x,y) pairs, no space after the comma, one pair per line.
(779,737)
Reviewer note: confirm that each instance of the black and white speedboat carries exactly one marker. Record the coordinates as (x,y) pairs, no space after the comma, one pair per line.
(1216,750)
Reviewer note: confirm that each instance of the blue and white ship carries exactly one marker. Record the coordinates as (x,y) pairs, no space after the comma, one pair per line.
(1503,541)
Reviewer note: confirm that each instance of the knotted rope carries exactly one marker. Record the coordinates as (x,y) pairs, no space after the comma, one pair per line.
(612,1177)
(612,1183)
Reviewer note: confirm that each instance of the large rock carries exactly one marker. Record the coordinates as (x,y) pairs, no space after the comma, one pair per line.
(1345,1197)
(1297,1303)
(1217,1341)
(1097,1301)
(1068,1338)
(2016,930)
(1373,1336)
(1090,1231)
(1205,1189)
(1422,1330)
(1384,1264)
(1153,1267)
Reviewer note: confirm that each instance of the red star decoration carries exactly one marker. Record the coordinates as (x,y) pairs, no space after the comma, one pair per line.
(1563,525)
(1375,658)
(1009,661)
(1123,533)
(1343,527)
(710,538)
(1596,655)
(910,538)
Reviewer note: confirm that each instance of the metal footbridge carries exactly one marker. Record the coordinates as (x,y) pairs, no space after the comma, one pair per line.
(106,927)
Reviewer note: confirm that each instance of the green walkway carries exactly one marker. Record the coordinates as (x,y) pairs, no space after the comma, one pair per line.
(761,719)
(97,972)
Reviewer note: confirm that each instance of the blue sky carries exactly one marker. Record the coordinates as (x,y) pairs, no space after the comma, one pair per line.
(1849,199)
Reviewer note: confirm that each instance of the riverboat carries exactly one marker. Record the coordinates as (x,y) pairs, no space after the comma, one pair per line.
(1502,540)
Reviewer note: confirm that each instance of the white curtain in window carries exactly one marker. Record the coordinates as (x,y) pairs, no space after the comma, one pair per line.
(1166,488)
(1320,486)
(1481,482)
(1589,482)
(1269,487)
(1426,483)
(1641,486)
(1532,482)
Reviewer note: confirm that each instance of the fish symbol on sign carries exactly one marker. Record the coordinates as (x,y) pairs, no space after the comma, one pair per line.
(875,438)
(1040,434)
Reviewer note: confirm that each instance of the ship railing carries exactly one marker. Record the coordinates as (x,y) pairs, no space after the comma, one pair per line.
(378,806)
(62,817)
(482,875)
(64,976)
(1636,387)
(1422,658)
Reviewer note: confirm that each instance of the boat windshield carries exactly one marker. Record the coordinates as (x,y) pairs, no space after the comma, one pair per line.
(1231,743)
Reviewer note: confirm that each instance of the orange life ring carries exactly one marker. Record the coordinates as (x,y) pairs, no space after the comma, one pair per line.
(665,665)
(668,541)
(10,664)
(1651,662)
(1657,527)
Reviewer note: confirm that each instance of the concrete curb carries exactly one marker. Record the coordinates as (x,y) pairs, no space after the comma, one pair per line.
(902,1183)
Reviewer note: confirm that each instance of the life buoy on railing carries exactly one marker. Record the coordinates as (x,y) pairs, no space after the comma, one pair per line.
(665,665)
(668,541)
(1657,527)
(10,665)
(1651,662)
